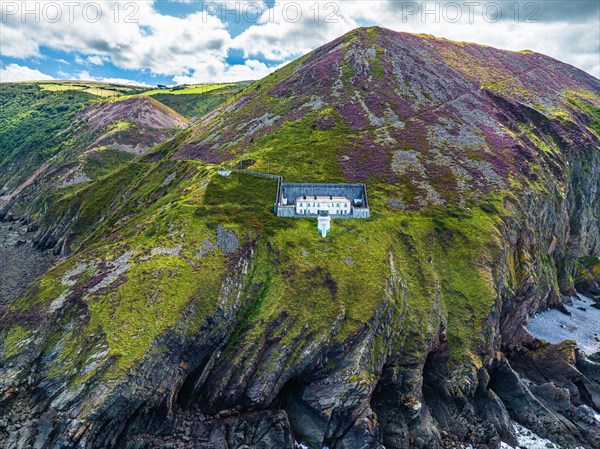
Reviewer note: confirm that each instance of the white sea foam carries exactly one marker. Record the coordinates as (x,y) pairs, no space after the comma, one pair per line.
(530,440)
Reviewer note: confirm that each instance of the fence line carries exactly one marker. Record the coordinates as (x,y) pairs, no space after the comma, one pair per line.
(262,175)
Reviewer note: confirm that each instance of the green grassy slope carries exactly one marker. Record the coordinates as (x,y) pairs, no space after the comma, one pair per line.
(313,280)
(68,138)
(98,89)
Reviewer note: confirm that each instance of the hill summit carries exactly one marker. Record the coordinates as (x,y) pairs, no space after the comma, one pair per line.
(433,120)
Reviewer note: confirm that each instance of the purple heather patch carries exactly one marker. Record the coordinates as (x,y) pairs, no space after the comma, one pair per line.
(327,67)
(204,153)
(352,114)
(495,140)
(324,122)
(413,137)
(295,114)
(368,160)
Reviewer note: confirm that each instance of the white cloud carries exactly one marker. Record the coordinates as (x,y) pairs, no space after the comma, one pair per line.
(251,70)
(163,44)
(84,75)
(97,60)
(292,29)
(196,47)
(91,60)
(15,72)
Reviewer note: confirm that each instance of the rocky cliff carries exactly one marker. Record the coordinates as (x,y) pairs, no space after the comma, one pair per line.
(189,316)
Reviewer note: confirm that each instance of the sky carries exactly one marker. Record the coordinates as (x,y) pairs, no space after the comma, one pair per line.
(192,41)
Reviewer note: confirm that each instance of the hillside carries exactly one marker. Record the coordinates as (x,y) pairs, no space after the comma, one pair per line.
(34,116)
(188,314)
(437,122)
(83,145)
(30,119)
(55,142)
(96,88)
(196,101)
(71,133)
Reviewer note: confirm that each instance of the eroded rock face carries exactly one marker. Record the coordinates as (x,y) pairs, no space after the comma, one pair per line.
(587,280)
(432,403)
(227,241)
(557,364)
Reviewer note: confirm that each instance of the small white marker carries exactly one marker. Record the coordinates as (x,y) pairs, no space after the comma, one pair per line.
(324,222)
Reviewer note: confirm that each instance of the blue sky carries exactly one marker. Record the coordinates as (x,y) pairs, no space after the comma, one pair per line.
(188,41)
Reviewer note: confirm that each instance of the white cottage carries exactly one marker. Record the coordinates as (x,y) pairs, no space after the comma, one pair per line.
(312,205)
(323,201)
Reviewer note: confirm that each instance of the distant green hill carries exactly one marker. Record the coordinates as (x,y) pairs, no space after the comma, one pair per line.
(31,122)
(195,101)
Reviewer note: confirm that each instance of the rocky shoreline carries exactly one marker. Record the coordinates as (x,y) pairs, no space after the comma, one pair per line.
(20,261)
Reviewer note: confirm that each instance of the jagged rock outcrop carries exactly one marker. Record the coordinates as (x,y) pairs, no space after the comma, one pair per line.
(587,278)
